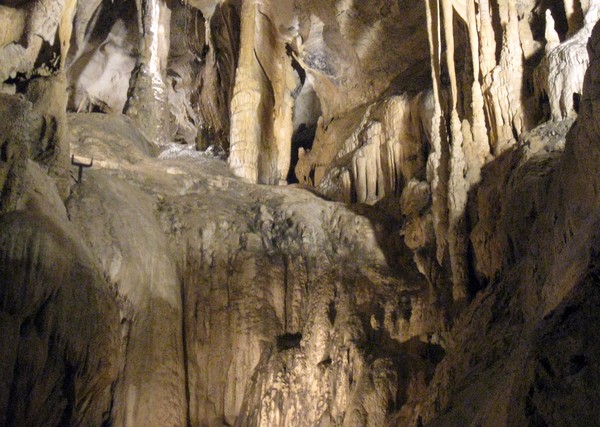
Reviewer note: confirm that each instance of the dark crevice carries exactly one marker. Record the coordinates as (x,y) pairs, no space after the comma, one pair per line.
(295,64)
(576,101)
(326,362)
(577,363)
(288,341)
(69,394)
(108,422)
(186,375)
(331,312)
(302,138)
(547,366)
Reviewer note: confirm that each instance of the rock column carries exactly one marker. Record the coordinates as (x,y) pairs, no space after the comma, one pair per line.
(147,97)
(245,133)
(262,104)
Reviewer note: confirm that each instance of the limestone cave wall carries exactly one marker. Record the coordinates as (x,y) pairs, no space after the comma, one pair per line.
(299,212)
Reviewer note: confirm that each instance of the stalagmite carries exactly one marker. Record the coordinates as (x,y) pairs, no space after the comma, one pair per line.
(550,34)
(262,104)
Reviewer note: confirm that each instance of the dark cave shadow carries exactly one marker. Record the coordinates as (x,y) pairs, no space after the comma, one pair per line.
(303,137)
(387,228)
(512,178)
(387,221)
(411,359)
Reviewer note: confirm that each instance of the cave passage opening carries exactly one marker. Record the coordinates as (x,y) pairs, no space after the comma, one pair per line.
(307,110)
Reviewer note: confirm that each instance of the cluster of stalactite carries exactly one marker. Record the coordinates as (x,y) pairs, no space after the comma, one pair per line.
(169,66)
(485,93)
(495,108)
(238,82)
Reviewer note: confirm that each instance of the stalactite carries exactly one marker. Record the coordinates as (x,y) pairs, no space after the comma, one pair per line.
(488,65)
(436,173)
(388,135)
(487,37)
(245,128)
(512,62)
(147,97)
(347,186)
(457,186)
(502,82)
(372,150)
(65,29)
(479,149)
(359,169)
(283,121)
(448,17)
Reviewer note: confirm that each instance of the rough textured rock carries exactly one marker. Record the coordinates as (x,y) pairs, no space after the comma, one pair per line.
(560,74)
(437,263)
(263,273)
(372,153)
(535,298)
(59,321)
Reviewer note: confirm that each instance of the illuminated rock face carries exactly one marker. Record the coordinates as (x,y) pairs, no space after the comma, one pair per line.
(442,269)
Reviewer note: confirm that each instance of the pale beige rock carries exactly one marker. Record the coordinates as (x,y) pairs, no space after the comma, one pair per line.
(22,45)
(100,77)
(560,74)
(247,123)
(171,292)
(437,169)
(378,154)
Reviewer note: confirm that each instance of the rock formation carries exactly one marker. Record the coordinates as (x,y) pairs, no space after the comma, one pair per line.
(299,213)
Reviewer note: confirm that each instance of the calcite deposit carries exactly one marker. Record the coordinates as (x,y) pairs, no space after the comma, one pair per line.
(299,213)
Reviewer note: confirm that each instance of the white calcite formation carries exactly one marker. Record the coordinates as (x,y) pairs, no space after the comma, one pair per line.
(380,150)
(560,74)
(299,213)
